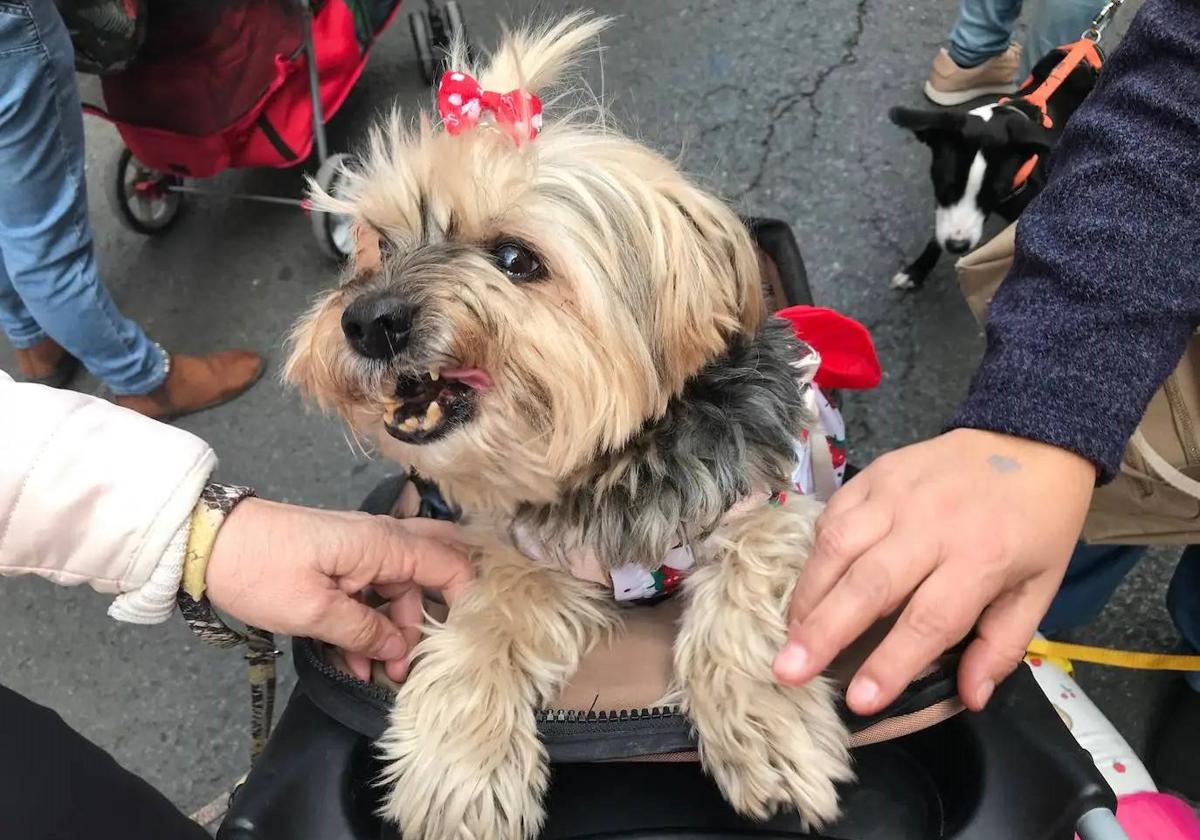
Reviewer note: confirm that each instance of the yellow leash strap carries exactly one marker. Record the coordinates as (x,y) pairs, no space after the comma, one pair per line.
(1116,658)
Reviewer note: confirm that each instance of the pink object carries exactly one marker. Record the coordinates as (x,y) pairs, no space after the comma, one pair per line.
(471,377)
(1157,816)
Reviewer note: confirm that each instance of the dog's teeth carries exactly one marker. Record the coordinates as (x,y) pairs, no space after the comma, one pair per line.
(434,374)
(433,414)
(411,424)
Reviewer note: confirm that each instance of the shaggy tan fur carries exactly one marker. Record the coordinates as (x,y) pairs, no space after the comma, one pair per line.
(464,759)
(647,279)
(767,745)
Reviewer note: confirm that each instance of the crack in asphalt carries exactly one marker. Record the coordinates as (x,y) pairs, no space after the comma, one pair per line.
(712,128)
(849,56)
(784,103)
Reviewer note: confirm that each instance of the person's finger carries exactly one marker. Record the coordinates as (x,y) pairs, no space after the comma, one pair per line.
(939,614)
(398,671)
(392,591)
(1003,634)
(407,613)
(434,529)
(840,540)
(359,665)
(851,494)
(873,586)
(356,628)
(384,550)
(430,563)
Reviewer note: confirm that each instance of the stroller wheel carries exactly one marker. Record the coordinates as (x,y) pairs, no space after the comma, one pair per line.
(422,37)
(334,232)
(142,197)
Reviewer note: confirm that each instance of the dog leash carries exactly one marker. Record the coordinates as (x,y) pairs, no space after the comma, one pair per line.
(1086,49)
(1135,660)
(1101,21)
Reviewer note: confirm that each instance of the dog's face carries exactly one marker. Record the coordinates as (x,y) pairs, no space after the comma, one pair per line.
(976,156)
(514,309)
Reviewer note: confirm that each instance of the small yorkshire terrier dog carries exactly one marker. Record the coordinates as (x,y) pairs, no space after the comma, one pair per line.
(570,338)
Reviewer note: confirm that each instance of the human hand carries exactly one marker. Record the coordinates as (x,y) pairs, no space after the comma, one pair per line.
(971,529)
(297,571)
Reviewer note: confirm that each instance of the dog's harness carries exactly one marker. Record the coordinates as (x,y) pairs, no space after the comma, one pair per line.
(1084,51)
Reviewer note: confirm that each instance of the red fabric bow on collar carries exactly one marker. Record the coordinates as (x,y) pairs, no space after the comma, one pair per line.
(462,102)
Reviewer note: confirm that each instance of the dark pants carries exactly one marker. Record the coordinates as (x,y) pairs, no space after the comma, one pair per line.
(1096,571)
(57,785)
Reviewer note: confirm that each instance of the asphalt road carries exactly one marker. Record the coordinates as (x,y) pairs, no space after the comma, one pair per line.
(780,105)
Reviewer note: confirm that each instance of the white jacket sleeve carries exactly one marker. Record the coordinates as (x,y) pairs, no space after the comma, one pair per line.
(93,493)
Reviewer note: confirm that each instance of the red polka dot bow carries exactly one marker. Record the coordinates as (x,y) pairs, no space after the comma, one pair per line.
(462,102)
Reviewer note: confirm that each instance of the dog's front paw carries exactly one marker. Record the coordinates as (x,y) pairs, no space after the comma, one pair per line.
(902,280)
(771,747)
(462,758)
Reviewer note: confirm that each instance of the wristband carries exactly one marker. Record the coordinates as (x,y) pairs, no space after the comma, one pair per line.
(217,501)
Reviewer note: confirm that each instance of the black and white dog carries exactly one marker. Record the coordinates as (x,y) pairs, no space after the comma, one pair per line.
(988,160)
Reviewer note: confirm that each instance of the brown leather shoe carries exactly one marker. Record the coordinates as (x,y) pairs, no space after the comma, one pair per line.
(196,383)
(46,363)
(949,84)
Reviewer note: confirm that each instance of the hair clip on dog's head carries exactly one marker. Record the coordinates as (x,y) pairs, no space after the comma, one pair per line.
(462,103)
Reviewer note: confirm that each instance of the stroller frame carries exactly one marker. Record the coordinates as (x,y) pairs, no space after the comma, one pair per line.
(148,201)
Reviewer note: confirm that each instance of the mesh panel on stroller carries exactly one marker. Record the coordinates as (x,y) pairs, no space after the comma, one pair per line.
(204,64)
(221,84)
(226,83)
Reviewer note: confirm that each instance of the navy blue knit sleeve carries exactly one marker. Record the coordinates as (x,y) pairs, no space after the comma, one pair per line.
(1105,286)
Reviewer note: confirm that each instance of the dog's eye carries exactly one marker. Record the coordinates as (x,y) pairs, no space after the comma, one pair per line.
(517,261)
(387,248)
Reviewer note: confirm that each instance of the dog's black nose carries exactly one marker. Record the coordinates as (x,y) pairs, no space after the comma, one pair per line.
(958,246)
(378,325)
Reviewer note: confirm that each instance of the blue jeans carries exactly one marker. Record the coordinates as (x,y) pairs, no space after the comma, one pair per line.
(1093,575)
(49,286)
(985,28)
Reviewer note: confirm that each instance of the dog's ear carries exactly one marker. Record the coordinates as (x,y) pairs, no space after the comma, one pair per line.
(927,125)
(712,287)
(1028,136)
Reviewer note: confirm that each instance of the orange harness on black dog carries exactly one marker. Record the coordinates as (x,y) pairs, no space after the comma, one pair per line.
(1083,50)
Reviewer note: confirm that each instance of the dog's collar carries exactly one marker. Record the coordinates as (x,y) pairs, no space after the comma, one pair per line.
(818,470)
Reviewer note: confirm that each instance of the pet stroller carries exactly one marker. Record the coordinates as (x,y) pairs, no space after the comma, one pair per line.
(624,769)
(223,84)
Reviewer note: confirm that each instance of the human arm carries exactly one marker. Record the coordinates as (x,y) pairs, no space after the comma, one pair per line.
(976,526)
(92,493)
